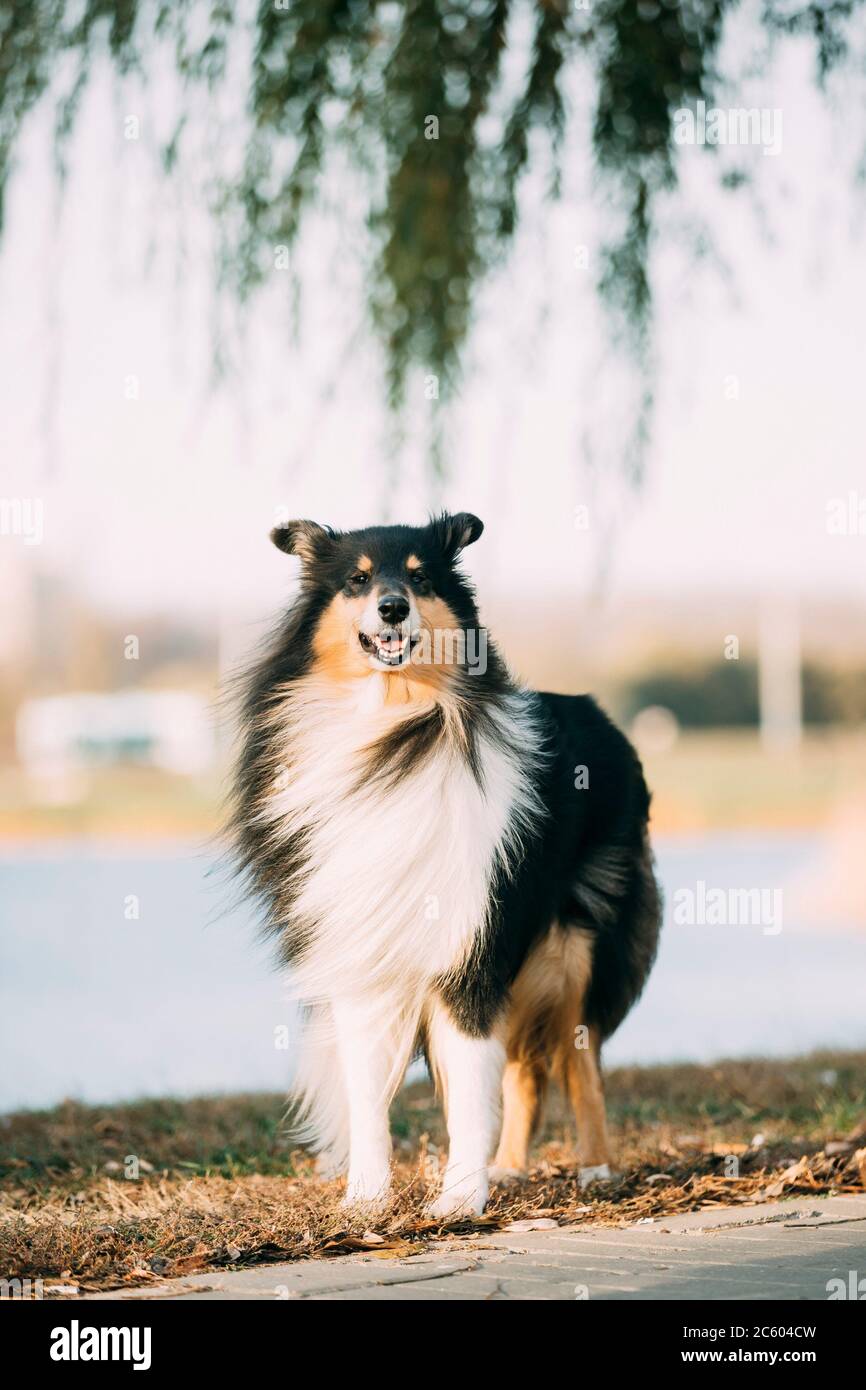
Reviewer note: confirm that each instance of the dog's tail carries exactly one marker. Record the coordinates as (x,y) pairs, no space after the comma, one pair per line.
(318,1106)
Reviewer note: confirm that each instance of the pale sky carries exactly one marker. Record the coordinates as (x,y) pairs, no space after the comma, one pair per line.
(166,501)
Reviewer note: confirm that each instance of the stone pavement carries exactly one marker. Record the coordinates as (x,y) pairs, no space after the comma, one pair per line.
(775,1251)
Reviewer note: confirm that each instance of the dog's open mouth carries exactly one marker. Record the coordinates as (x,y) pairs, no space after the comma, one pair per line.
(388,647)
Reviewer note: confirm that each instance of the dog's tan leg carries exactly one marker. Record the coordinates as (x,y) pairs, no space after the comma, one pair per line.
(522,1092)
(587,1097)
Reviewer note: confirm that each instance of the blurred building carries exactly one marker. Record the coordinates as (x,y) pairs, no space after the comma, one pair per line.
(168,729)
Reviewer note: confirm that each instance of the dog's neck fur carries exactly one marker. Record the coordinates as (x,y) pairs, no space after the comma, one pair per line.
(405,809)
(401,715)
(386,726)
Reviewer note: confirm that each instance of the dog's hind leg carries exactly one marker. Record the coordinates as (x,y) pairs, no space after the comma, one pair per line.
(523,1087)
(586,1092)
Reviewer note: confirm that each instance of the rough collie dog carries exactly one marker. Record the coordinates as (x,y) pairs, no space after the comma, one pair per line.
(452,863)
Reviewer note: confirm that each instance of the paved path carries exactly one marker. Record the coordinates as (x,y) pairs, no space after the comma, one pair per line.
(779,1250)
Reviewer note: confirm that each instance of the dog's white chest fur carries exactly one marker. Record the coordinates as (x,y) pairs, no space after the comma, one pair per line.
(395,883)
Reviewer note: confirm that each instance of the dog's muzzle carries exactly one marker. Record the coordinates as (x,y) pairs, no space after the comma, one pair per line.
(390,646)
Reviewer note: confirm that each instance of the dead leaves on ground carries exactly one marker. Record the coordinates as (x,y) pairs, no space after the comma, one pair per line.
(227,1189)
(113,1233)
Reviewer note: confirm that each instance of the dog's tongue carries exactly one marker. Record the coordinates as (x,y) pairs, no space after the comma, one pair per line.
(390,641)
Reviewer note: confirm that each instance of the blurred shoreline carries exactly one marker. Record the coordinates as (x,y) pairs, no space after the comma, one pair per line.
(707,780)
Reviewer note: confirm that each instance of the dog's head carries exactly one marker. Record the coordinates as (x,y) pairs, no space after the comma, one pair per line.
(389,598)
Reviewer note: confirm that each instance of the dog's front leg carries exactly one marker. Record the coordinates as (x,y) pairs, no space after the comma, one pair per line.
(366,1059)
(470,1074)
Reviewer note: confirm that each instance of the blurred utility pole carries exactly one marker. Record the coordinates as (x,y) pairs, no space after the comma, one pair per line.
(779,671)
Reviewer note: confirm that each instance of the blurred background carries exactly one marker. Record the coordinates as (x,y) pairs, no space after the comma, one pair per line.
(673,489)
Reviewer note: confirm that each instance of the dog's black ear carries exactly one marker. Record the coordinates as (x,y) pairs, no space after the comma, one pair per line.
(454,533)
(306,539)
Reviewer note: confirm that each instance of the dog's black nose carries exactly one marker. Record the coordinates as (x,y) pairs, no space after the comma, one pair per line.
(393,608)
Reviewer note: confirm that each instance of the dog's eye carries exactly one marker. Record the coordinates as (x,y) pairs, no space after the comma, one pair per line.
(418,577)
(360,578)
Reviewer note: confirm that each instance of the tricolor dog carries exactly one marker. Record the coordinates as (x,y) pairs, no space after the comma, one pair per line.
(452,864)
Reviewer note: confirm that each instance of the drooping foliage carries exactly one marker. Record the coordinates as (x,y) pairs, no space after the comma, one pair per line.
(418,95)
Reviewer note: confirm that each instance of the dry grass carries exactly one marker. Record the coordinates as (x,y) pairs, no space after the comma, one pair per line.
(221,1186)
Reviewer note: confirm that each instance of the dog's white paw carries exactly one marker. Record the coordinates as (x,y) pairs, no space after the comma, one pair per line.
(460,1197)
(367,1193)
(506,1177)
(599,1172)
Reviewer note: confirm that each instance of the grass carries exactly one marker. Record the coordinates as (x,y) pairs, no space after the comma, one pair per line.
(220,1185)
(143,803)
(725,779)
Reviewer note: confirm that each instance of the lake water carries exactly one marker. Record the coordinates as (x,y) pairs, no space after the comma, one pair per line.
(100,1005)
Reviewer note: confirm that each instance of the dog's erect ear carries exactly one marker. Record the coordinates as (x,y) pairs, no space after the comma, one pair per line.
(454,533)
(306,539)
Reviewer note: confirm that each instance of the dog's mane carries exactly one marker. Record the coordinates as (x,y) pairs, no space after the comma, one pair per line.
(474,707)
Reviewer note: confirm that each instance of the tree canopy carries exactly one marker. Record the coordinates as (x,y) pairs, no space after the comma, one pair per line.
(416,93)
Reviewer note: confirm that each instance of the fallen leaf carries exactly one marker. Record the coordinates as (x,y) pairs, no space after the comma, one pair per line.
(790,1175)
